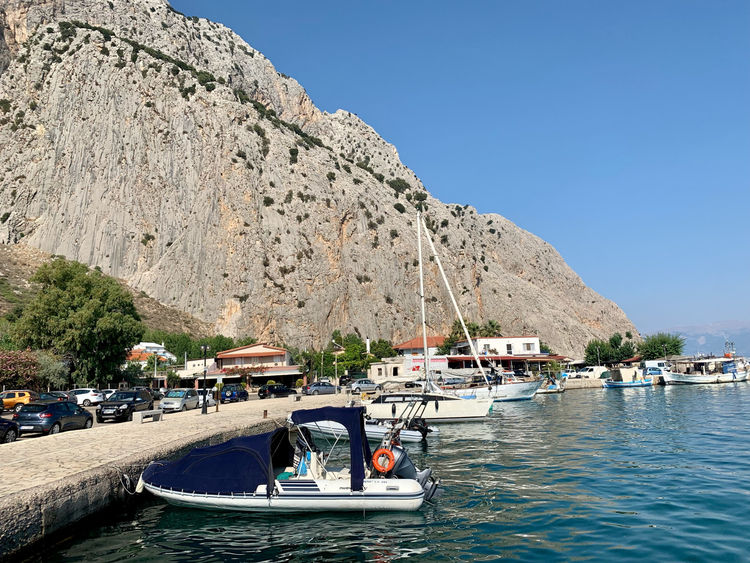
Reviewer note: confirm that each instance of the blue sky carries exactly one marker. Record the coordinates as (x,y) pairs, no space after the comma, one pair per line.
(619,132)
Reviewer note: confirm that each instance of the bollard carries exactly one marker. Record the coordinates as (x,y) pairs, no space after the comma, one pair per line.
(265,413)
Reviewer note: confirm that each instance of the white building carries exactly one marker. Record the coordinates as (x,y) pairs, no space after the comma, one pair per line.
(151,348)
(499,346)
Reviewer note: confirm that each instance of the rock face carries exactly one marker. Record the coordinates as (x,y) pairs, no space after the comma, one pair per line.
(170,153)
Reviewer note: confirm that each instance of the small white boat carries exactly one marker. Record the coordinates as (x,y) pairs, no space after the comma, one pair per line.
(507,391)
(439,407)
(375,431)
(552,386)
(280,471)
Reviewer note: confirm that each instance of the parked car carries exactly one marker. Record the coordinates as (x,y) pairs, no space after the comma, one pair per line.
(57,396)
(319,388)
(275,390)
(14,400)
(590,372)
(364,385)
(8,431)
(233,392)
(345,380)
(51,418)
(88,396)
(179,400)
(122,404)
(211,401)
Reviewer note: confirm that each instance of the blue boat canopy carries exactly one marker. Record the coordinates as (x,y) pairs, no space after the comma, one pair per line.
(241,464)
(236,466)
(352,418)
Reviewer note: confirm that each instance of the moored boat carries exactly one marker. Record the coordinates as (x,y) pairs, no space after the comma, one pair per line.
(283,471)
(709,370)
(509,390)
(612,384)
(439,407)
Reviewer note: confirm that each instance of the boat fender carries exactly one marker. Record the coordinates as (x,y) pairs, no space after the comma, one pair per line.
(376,460)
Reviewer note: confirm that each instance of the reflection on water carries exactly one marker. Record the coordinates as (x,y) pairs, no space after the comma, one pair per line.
(647,473)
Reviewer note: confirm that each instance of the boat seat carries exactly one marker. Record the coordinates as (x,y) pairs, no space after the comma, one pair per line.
(342,473)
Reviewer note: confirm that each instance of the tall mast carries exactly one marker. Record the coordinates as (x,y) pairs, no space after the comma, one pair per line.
(448,287)
(421,299)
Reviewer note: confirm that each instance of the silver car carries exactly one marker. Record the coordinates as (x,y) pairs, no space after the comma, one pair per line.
(364,385)
(179,400)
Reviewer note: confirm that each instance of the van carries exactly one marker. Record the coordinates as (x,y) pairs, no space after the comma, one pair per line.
(590,372)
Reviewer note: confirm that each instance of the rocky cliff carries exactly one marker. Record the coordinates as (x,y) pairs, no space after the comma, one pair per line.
(170,153)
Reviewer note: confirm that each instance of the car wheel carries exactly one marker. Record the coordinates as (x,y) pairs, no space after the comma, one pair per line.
(356,389)
(273,395)
(55,428)
(18,407)
(378,388)
(184,408)
(10,436)
(89,423)
(130,416)
(99,420)
(86,403)
(315,392)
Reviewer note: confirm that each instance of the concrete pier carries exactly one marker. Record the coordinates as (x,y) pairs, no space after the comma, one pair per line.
(51,482)
(571,384)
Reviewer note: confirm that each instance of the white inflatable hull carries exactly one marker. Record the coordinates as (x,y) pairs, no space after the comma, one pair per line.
(374,432)
(306,495)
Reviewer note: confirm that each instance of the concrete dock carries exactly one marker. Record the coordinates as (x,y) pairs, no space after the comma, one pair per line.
(51,482)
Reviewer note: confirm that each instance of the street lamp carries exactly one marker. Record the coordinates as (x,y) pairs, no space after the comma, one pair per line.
(204,349)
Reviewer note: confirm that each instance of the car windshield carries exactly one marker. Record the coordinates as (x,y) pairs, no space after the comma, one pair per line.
(175,394)
(125,397)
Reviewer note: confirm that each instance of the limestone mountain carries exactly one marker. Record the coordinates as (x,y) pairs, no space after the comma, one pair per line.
(170,153)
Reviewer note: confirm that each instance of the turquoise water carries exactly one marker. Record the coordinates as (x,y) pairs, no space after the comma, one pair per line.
(623,474)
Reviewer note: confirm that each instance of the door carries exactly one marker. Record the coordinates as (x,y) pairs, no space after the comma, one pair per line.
(9,400)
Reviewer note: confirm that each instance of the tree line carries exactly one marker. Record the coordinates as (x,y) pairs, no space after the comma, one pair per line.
(617,349)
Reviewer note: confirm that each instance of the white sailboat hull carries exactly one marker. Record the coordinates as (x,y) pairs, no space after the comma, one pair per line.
(442,409)
(514,391)
(672,378)
(307,495)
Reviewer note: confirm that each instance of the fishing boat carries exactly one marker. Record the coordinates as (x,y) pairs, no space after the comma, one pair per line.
(708,370)
(551,386)
(612,384)
(285,471)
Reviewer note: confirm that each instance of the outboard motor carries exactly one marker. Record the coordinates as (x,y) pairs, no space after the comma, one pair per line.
(404,468)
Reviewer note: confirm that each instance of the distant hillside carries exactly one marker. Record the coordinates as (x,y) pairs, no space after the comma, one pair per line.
(19,262)
(170,153)
(710,338)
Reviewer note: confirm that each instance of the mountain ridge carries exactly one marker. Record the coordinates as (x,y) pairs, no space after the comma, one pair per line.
(170,153)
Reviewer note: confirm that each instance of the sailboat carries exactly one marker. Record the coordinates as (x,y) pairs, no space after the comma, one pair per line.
(438,405)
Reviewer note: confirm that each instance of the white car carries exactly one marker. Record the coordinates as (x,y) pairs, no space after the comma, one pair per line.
(211,400)
(179,400)
(88,396)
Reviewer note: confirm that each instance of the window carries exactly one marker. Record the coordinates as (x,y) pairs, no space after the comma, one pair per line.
(528,346)
(509,348)
(380,371)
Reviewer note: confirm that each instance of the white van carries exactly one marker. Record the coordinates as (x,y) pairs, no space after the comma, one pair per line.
(590,372)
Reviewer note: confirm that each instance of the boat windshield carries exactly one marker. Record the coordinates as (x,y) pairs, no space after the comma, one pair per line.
(175,394)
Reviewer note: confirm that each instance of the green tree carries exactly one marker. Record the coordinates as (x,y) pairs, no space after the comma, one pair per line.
(82,315)
(18,369)
(132,374)
(457,334)
(598,352)
(382,349)
(52,374)
(173,380)
(658,345)
(489,329)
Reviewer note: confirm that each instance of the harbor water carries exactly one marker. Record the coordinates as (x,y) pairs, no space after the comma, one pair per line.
(657,473)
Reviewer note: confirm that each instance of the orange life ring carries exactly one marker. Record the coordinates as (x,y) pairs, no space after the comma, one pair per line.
(376,460)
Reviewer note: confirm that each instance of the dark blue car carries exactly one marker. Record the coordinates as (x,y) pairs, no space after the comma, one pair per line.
(51,418)
(232,392)
(8,430)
